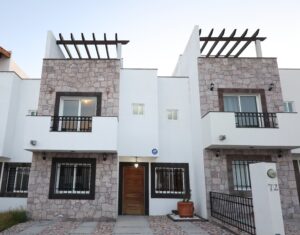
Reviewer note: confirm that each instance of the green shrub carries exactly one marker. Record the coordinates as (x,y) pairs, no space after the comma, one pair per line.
(11,218)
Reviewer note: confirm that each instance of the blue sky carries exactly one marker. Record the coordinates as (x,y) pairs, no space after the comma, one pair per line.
(158,30)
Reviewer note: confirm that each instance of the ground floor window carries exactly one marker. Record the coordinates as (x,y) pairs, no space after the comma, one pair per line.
(169,180)
(72,178)
(15,179)
(239,172)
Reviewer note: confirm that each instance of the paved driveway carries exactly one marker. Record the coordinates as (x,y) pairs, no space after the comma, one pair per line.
(128,225)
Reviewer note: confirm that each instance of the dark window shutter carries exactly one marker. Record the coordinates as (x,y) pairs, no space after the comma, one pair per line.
(297,176)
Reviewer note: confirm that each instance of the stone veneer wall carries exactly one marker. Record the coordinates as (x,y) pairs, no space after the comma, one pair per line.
(67,75)
(255,73)
(216,176)
(104,206)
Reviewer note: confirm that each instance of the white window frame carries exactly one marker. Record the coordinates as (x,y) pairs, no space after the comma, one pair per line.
(15,181)
(286,106)
(138,108)
(76,98)
(73,191)
(172,114)
(239,95)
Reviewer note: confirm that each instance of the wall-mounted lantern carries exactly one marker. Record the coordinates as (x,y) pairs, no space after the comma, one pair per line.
(212,86)
(136,164)
(271,86)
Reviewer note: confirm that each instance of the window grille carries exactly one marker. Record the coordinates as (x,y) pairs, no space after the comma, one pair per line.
(172,114)
(241,175)
(169,180)
(72,178)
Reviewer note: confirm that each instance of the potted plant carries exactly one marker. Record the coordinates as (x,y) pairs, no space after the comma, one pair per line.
(186,207)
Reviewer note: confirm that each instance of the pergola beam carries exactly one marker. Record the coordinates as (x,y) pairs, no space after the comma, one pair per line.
(205,42)
(65,46)
(106,47)
(76,48)
(225,44)
(215,43)
(247,44)
(97,51)
(236,44)
(86,47)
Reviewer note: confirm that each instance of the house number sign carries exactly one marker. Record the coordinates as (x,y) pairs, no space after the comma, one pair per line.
(273,187)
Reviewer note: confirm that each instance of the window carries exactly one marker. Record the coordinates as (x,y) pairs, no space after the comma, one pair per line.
(288,106)
(239,181)
(138,109)
(241,175)
(169,180)
(172,114)
(241,103)
(15,179)
(72,179)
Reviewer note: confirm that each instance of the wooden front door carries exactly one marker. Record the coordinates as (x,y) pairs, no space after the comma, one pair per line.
(133,198)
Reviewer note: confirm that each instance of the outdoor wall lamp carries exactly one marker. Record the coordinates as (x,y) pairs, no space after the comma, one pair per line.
(217,153)
(271,86)
(33,142)
(212,86)
(104,157)
(136,164)
(279,153)
(44,156)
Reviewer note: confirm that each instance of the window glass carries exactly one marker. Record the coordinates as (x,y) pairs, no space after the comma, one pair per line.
(138,109)
(231,104)
(169,180)
(172,114)
(88,107)
(248,104)
(17,180)
(70,108)
(289,106)
(241,175)
(73,178)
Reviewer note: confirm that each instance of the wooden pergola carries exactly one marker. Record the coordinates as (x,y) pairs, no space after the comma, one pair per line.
(225,40)
(89,42)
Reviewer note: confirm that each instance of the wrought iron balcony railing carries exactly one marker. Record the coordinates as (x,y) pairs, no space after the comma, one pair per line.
(71,123)
(256,120)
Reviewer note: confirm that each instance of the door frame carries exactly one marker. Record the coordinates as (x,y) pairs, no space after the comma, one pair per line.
(146,167)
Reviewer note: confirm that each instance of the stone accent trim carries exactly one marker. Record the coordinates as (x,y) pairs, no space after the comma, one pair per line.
(104,206)
(238,73)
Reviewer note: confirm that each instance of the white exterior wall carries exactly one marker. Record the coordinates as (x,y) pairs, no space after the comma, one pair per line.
(290,83)
(17,96)
(188,66)
(138,134)
(174,135)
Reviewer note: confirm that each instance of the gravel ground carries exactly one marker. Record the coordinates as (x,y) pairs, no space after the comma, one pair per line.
(160,225)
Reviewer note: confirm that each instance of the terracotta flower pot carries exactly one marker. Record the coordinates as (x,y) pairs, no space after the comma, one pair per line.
(185,209)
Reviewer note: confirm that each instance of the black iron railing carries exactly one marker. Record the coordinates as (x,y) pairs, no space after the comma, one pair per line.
(233,210)
(256,120)
(71,123)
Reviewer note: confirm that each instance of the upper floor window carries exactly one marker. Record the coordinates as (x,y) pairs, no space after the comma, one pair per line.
(242,103)
(137,109)
(172,114)
(288,106)
(32,112)
(78,106)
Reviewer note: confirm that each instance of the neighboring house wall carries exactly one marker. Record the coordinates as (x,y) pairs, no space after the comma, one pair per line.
(290,83)
(17,96)
(217,174)
(63,75)
(105,203)
(247,73)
